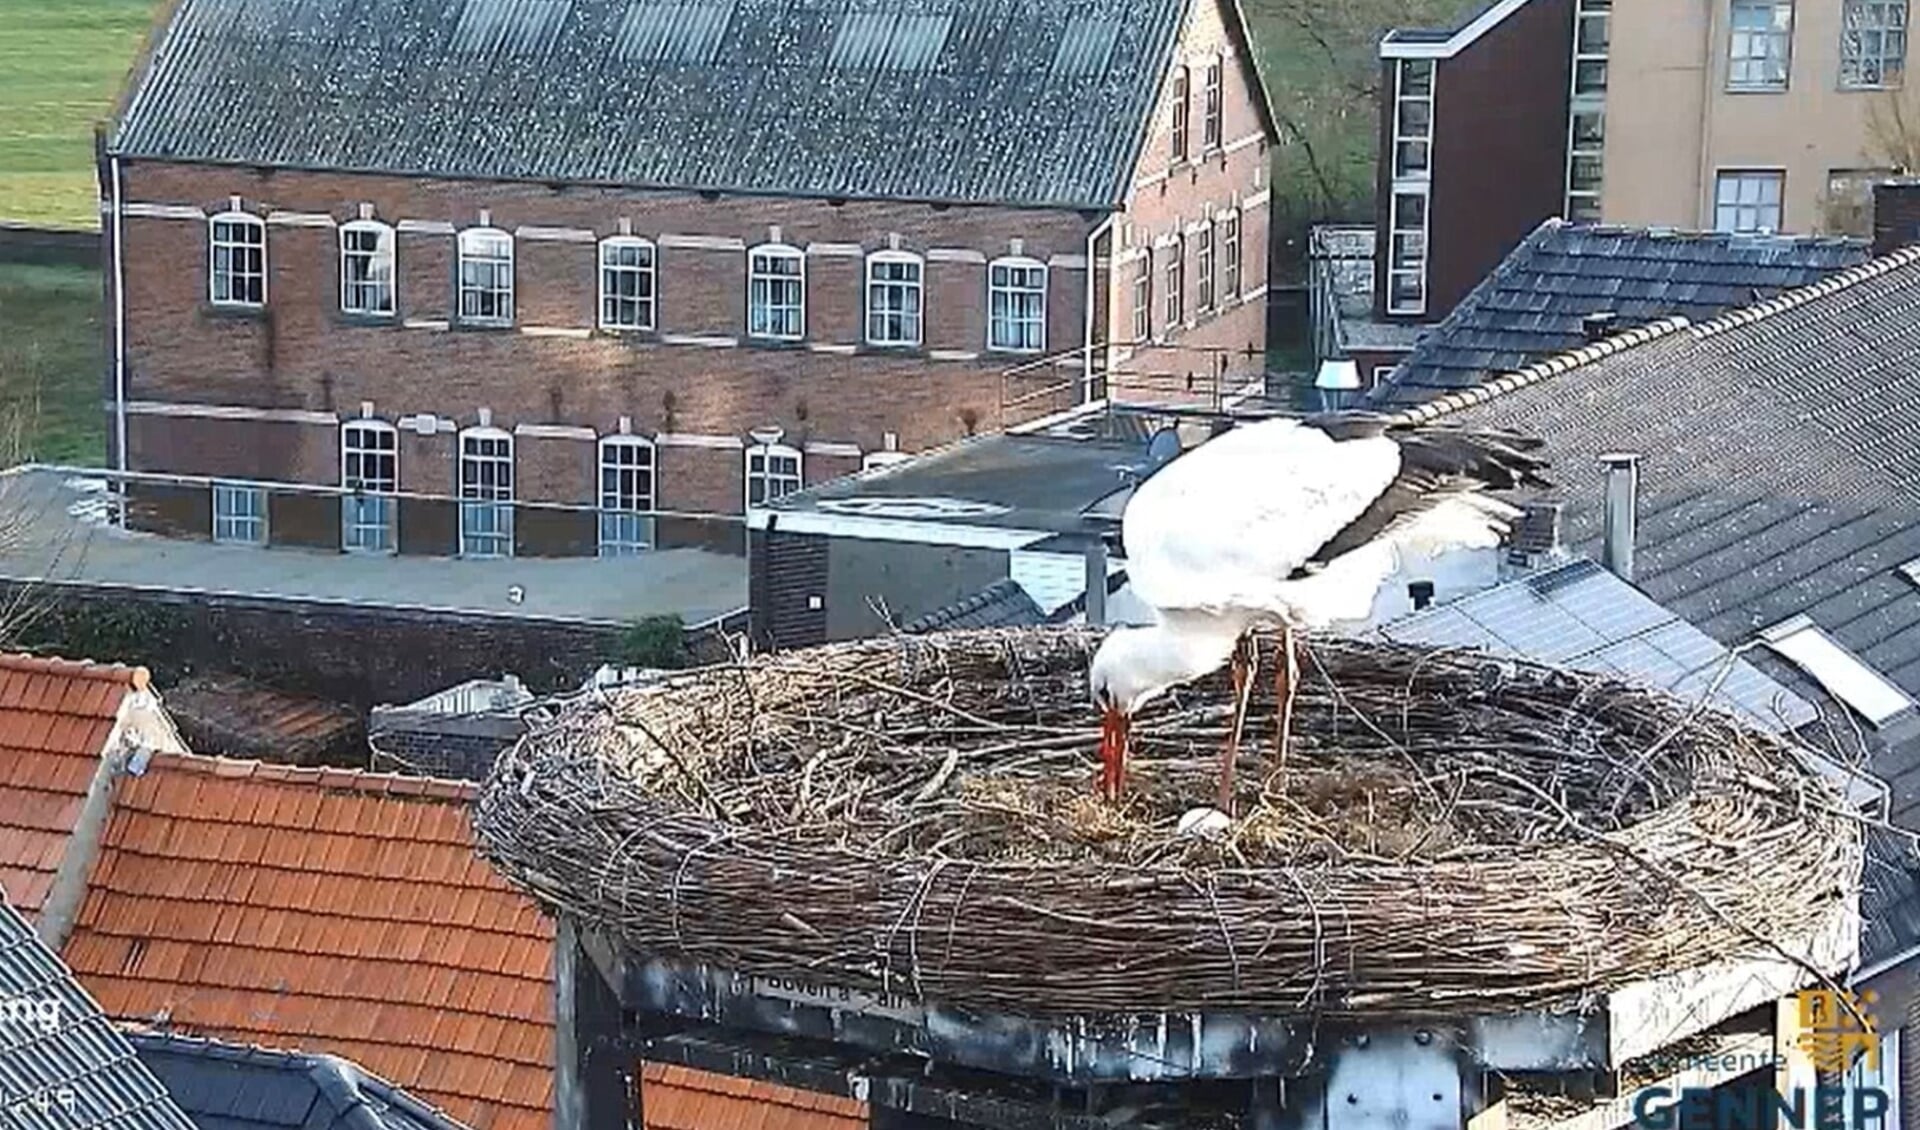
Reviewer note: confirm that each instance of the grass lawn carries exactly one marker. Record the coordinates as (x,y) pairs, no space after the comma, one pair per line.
(51,355)
(61,64)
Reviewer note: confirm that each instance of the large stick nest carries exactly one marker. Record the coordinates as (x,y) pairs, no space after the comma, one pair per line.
(916,814)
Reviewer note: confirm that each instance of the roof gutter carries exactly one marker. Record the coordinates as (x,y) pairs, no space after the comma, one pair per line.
(119,267)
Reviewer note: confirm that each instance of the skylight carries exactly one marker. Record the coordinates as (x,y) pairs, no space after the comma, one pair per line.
(1911,570)
(674,32)
(1086,47)
(520,27)
(1842,673)
(887,41)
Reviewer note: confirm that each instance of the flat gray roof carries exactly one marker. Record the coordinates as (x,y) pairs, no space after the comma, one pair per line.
(63,537)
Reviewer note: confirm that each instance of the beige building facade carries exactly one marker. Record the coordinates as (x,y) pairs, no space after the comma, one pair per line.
(1751,115)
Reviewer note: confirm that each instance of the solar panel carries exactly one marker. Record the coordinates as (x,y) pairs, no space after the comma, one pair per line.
(1531,625)
(1443,627)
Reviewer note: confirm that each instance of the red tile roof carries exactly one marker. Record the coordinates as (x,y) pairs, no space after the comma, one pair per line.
(678,1098)
(327,910)
(55,718)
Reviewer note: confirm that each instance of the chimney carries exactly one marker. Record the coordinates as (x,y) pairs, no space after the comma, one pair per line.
(1896,214)
(1598,325)
(1536,536)
(1337,381)
(1420,593)
(1623,491)
(1096,581)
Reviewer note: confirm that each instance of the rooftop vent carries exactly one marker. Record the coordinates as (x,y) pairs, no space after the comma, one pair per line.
(1537,536)
(1599,324)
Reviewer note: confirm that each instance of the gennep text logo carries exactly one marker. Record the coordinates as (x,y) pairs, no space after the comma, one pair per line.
(41,1012)
(1836,1036)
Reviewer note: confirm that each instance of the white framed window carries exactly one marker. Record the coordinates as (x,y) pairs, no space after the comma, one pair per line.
(894,297)
(1381,374)
(1203,270)
(486,277)
(626,283)
(1413,119)
(1587,113)
(1143,297)
(1182,79)
(1173,285)
(1407,253)
(1759,44)
(626,496)
(1748,200)
(366,268)
(1212,106)
(1230,257)
(1873,44)
(237,260)
(773,470)
(1017,305)
(239,514)
(776,292)
(486,493)
(369,466)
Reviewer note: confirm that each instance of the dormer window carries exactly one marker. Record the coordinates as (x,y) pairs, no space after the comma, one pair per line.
(237,264)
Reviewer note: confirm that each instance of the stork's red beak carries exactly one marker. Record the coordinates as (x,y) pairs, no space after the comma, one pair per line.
(1114,730)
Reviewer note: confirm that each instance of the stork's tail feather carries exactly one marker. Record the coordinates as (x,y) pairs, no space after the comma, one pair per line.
(1502,460)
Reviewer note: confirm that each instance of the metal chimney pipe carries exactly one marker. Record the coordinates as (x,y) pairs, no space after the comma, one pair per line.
(1623,500)
(1096,581)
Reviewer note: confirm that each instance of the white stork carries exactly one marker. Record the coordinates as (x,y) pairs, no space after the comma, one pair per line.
(1289,523)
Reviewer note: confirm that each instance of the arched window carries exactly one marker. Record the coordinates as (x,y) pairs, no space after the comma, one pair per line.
(366,268)
(894,292)
(486,493)
(486,277)
(369,466)
(1212,106)
(776,292)
(1182,108)
(1017,305)
(237,260)
(627,498)
(773,470)
(627,277)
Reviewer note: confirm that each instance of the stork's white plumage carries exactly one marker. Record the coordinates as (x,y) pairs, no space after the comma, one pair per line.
(1289,524)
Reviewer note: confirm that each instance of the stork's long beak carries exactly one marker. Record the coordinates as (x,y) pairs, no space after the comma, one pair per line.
(1115,728)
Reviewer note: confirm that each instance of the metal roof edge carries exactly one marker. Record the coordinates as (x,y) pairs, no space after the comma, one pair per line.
(139,73)
(1812,292)
(1144,127)
(1263,97)
(1540,371)
(1461,38)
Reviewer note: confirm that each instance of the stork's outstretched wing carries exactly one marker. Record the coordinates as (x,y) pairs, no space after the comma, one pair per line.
(1219,527)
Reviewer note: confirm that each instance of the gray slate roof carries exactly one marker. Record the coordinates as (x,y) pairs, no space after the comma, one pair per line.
(1889,898)
(1780,470)
(1002,604)
(1040,102)
(1531,306)
(230,1087)
(63,1065)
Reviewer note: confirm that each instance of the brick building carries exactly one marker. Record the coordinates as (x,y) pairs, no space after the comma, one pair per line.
(573,263)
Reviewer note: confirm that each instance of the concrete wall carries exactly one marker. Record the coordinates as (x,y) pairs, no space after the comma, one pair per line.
(1672,124)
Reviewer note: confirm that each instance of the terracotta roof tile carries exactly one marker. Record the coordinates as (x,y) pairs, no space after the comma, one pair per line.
(681,1099)
(55,718)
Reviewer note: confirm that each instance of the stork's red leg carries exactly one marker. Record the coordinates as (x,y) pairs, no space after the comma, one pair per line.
(1243,656)
(1286,681)
(1115,731)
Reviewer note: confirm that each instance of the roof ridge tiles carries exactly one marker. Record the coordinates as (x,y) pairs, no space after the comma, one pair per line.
(1540,370)
(1800,296)
(327,777)
(137,677)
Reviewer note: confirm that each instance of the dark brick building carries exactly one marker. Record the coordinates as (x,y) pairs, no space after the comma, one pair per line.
(635,256)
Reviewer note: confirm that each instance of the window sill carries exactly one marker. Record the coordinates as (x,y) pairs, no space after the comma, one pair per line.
(1757,89)
(632,334)
(994,354)
(775,344)
(227,312)
(887,349)
(365,321)
(1844,88)
(460,326)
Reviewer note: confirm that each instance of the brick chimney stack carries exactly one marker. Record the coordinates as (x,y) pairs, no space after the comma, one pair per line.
(1896,214)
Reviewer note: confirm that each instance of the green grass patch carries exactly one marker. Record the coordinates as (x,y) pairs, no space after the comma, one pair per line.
(61,64)
(52,359)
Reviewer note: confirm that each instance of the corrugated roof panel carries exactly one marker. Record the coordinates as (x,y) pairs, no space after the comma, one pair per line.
(981,101)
